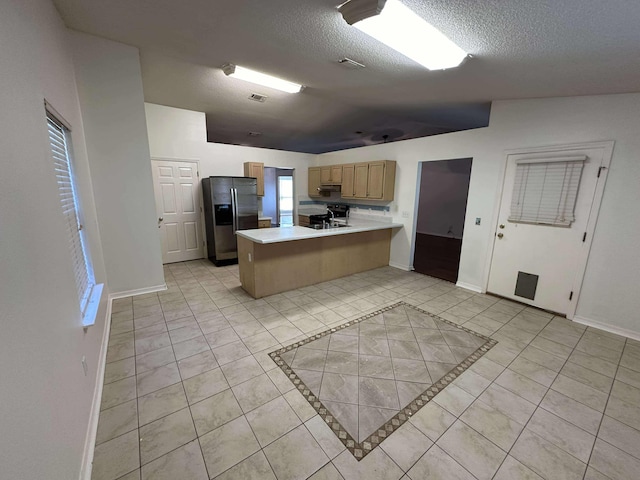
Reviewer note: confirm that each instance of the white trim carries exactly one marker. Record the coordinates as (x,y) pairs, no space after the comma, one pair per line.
(203,233)
(607,154)
(139,291)
(469,286)
(607,327)
(90,440)
(174,159)
(406,268)
(93,304)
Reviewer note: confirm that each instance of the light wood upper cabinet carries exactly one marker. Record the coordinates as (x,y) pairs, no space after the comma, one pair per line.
(366,180)
(255,169)
(361,179)
(331,175)
(381,180)
(314,181)
(347,190)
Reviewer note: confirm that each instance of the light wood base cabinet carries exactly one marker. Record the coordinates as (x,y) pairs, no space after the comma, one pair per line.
(267,269)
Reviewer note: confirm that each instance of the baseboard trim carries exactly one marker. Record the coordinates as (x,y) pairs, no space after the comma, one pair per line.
(90,441)
(139,291)
(469,286)
(608,327)
(406,268)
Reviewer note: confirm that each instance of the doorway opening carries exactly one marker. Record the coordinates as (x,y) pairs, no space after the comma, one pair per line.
(277,202)
(285,200)
(442,206)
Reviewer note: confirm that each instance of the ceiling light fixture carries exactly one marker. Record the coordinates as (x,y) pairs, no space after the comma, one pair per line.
(261,78)
(395,25)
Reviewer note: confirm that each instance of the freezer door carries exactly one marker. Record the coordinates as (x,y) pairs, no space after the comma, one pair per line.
(247,203)
(224,239)
(221,190)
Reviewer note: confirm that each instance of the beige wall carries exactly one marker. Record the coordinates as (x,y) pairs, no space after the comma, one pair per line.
(112,102)
(175,133)
(613,270)
(45,397)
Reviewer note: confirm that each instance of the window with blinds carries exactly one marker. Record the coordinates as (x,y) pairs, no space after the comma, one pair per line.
(545,190)
(59,139)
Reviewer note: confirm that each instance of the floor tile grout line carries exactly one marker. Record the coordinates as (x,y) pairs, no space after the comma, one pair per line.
(597,435)
(510,362)
(538,405)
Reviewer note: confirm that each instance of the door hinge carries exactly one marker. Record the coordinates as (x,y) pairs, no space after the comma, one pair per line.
(198,173)
(584,237)
(570,295)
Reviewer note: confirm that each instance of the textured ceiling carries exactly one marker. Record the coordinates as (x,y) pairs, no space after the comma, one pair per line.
(519,48)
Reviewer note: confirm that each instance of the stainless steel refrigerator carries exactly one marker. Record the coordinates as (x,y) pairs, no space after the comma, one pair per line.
(230,204)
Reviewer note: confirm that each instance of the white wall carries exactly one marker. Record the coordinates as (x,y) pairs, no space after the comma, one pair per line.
(609,293)
(111,98)
(181,134)
(45,398)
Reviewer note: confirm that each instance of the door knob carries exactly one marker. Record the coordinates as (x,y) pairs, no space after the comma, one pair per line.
(500,235)
(160,219)
(501,226)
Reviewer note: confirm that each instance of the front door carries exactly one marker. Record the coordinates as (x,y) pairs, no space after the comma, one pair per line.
(178,206)
(538,261)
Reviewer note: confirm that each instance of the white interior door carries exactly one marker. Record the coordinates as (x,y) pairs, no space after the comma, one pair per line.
(540,264)
(178,206)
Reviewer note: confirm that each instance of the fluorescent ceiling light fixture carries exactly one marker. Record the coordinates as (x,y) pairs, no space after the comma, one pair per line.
(395,25)
(261,78)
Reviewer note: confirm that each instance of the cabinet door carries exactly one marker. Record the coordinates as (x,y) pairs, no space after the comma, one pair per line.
(303,220)
(314,181)
(375,182)
(361,177)
(325,174)
(346,191)
(256,170)
(336,174)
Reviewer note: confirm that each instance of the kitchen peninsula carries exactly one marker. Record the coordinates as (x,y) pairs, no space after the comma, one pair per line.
(280,259)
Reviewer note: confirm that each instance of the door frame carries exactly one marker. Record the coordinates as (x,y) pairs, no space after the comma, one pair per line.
(583,257)
(197,162)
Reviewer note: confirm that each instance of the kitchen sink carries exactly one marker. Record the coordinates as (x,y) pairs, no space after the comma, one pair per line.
(320,226)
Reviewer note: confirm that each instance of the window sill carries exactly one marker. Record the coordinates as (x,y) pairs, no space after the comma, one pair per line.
(91,312)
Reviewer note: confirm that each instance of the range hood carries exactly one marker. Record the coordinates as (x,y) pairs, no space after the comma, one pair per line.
(325,190)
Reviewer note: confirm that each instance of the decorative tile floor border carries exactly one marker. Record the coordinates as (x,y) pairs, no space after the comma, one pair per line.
(362,449)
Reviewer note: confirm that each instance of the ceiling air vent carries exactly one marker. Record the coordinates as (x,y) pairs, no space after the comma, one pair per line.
(257,97)
(347,62)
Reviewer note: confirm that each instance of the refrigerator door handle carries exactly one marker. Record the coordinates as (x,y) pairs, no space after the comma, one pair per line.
(234,208)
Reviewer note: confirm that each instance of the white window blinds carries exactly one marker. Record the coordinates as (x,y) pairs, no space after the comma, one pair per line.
(545,190)
(60,151)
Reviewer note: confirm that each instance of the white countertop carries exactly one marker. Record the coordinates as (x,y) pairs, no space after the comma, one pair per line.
(287,234)
(264,218)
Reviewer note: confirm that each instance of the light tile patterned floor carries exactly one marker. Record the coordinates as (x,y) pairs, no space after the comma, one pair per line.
(367,377)
(190,392)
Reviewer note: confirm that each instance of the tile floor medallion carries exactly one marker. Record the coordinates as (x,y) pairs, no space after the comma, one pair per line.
(367,377)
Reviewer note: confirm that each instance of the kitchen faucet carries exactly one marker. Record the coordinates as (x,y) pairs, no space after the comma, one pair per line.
(333,217)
